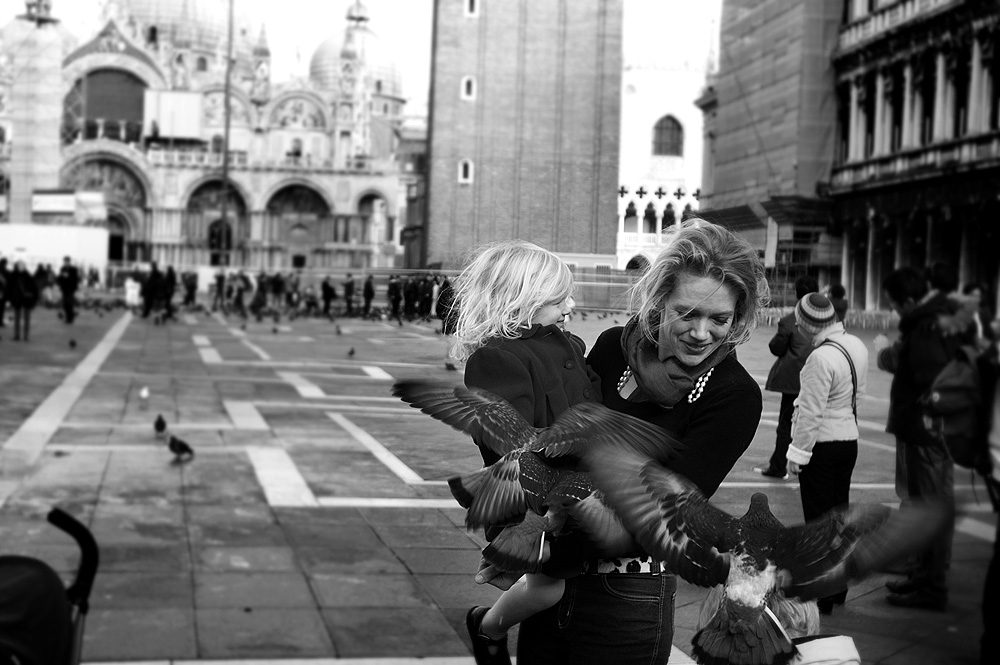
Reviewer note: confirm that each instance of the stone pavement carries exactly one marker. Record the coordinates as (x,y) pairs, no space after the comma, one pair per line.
(315,522)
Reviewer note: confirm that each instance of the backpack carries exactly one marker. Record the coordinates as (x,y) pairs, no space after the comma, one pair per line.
(953,411)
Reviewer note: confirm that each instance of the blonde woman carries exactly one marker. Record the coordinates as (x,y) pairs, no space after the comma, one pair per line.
(512,301)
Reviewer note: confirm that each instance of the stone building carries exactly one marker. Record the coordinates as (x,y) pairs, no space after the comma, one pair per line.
(312,177)
(916,175)
(524,127)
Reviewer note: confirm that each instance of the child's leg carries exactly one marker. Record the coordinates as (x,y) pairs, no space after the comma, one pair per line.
(530,595)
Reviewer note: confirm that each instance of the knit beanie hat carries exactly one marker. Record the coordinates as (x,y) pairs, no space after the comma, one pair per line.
(814,313)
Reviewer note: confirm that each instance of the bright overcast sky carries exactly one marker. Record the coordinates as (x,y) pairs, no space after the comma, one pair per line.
(654,30)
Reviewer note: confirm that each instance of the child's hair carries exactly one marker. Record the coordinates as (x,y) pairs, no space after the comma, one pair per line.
(797,617)
(502,288)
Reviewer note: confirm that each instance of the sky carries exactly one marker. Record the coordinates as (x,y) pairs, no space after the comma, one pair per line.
(654,31)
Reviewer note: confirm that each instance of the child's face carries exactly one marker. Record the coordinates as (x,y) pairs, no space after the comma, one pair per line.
(553,313)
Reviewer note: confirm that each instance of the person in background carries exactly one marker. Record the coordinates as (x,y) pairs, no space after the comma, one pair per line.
(169,289)
(824,446)
(5,278)
(349,294)
(395,294)
(23,294)
(980,329)
(989,373)
(329,294)
(367,295)
(68,281)
(839,300)
(791,349)
(219,298)
(924,469)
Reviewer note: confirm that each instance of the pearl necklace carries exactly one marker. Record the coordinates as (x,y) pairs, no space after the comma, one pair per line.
(626,375)
(699,386)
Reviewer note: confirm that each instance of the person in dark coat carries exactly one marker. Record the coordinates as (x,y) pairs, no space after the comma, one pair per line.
(169,289)
(4,278)
(924,469)
(839,300)
(219,298)
(791,349)
(349,294)
(367,293)
(446,310)
(395,294)
(68,281)
(22,292)
(152,290)
(410,293)
(328,294)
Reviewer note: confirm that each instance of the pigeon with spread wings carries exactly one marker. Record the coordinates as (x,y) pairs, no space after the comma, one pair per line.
(522,491)
(754,555)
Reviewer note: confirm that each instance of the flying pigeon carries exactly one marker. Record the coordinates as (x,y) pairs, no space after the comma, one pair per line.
(755,555)
(522,484)
(159,426)
(180,449)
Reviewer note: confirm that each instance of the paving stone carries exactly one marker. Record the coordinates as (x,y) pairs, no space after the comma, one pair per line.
(159,558)
(367,561)
(262,634)
(401,632)
(441,561)
(222,559)
(396,535)
(341,536)
(148,590)
(406,516)
(456,591)
(253,590)
(237,534)
(139,635)
(335,590)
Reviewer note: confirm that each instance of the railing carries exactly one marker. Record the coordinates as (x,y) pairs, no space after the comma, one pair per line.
(639,240)
(982,147)
(241,160)
(886,17)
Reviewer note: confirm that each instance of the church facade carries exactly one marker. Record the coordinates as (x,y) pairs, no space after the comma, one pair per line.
(309,179)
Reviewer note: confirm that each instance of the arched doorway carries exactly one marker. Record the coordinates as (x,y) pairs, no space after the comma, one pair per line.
(300,219)
(220,243)
(117,237)
(203,220)
(638,264)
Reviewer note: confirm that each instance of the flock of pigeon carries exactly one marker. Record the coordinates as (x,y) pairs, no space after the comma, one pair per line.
(625,500)
(181,450)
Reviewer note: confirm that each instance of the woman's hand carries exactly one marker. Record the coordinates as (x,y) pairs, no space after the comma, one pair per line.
(794,468)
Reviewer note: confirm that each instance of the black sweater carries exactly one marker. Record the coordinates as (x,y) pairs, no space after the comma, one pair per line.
(715,429)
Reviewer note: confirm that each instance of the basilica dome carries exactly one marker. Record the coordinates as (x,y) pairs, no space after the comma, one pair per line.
(200,25)
(324,67)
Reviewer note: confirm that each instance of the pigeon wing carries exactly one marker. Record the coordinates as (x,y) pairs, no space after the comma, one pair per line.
(602,526)
(488,418)
(847,544)
(587,424)
(667,514)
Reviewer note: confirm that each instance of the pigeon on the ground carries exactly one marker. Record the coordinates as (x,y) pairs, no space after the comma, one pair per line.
(181,450)
(522,484)
(72,344)
(450,366)
(753,556)
(159,426)
(351,352)
(338,329)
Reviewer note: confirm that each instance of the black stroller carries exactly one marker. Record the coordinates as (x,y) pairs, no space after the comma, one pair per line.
(41,622)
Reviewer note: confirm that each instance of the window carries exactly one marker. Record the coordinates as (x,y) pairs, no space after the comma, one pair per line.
(201,64)
(668,137)
(385,109)
(468,87)
(466,171)
(378,86)
(472,7)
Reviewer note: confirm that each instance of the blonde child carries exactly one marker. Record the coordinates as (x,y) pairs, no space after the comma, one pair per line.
(513,299)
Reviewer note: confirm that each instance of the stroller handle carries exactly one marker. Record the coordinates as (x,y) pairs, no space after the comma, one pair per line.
(79,592)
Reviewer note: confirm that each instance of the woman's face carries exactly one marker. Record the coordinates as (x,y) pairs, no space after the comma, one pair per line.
(552,313)
(697,317)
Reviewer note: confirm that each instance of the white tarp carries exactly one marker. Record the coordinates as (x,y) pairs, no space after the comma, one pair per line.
(177,115)
(49,243)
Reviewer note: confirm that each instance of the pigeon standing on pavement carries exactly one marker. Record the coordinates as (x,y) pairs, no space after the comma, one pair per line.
(522,484)
(755,555)
(350,352)
(144,397)
(181,450)
(338,329)
(159,426)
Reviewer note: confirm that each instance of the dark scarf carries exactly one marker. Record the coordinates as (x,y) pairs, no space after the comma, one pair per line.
(663,380)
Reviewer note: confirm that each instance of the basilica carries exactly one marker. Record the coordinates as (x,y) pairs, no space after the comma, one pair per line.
(310,178)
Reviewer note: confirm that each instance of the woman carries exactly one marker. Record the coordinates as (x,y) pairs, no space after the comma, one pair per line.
(824,444)
(673,364)
(22,293)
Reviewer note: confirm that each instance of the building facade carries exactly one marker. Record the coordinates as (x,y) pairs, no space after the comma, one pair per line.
(916,178)
(769,135)
(310,178)
(524,127)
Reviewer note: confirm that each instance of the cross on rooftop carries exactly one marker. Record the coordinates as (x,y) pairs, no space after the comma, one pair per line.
(641,191)
(622,191)
(660,193)
(680,193)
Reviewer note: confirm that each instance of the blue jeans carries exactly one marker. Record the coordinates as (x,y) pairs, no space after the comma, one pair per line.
(616,618)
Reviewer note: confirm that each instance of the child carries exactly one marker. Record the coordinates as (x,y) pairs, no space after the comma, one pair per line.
(512,301)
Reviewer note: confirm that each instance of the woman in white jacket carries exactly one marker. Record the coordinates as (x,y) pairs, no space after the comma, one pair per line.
(824,444)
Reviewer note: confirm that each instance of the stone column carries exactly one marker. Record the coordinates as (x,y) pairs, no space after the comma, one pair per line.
(939,97)
(929,248)
(902,254)
(974,121)
(871,267)
(907,138)
(965,259)
(845,264)
(878,147)
(986,81)
(854,125)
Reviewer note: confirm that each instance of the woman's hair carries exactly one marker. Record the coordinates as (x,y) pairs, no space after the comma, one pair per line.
(502,289)
(798,618)
(702,249)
